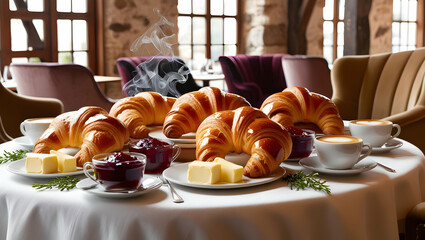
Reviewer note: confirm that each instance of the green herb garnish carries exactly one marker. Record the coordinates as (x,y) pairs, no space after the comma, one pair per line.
(12,156)
(302,181)
(63,183)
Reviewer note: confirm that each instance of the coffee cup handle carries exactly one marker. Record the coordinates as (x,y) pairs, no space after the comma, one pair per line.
(86,168)
(398,131)
(177,149)
(22,127)
(369,151)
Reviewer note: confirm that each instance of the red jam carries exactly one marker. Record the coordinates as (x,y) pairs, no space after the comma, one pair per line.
(120,171)
(302,143)
(159,154)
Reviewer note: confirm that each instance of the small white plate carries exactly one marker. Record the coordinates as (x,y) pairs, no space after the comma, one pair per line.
(313,163)
(18,167)
(24,142)
(390,145)
(185,138)
(178,174)
(148,183)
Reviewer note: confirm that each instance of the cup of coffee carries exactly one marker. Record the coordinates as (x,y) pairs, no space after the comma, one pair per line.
(33,128)
(374,132)
(117,171)
(340,151)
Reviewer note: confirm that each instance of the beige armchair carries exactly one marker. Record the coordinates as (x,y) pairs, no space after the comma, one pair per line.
(15,108)
(383,86)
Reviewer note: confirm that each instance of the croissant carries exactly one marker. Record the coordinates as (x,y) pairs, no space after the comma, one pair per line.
(90,128)
(297,104)
(145,108)
(247,130)
(192,108)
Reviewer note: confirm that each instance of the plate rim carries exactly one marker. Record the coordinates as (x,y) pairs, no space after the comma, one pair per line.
(27,145)
(372,165)
(21,162)
(387,149)
(272,178)
(176,140)
(117,195)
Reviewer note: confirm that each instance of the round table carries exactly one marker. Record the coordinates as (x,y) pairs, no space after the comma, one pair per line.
(364,206)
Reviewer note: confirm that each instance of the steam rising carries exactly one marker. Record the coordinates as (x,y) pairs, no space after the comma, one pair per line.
(162,72)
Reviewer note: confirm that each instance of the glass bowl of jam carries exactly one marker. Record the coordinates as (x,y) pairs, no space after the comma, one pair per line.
(159,153)
(302,142)
(117,171)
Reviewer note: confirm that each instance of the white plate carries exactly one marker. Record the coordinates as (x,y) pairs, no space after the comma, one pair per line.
(24,142)
(185,138)
(149,183)
(178,174)
(18,167)
(390,145)
(313,163)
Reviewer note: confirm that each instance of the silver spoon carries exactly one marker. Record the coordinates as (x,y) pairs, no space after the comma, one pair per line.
(176,197)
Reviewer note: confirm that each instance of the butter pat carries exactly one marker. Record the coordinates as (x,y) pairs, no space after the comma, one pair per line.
(66,163)
(230,172)
(203,172)
(41,163)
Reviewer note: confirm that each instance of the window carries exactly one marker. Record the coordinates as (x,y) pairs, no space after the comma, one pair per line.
(207,29)
(333,30)
(404,25)
(37,33)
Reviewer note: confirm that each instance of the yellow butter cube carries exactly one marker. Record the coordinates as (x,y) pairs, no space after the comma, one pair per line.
(203,172)
(66,163)
(41,163)
(230,172)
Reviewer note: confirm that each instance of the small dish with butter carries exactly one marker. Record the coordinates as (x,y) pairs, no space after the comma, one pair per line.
(212,178)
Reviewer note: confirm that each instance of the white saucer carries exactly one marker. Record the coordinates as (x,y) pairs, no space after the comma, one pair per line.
(390,145)
(313,163)
(18,167)
(185,138)
(148,183)
(24,142)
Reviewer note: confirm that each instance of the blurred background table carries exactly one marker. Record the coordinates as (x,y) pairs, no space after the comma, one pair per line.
(365,206)
(205,78)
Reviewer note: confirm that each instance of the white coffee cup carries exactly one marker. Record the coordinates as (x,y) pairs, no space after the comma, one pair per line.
(375,132)
(340,151)
(33,128)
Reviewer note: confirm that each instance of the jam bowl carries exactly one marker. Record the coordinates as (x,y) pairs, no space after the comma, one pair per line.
(160,153)
(117,171)
(302,142)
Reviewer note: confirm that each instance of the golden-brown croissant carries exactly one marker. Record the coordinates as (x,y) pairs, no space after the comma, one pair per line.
(247,130)
(192,108)
(297,104)
(142,110)
(90,128)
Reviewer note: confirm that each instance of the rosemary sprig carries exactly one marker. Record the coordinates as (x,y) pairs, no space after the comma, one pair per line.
(12,156)
(63,183)
(302,181)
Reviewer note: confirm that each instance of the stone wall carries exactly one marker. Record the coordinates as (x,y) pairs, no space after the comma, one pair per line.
(126,20)
(265,26)
(380,21)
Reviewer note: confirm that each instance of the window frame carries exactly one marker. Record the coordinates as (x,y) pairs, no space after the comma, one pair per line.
(208,16)
(50,51)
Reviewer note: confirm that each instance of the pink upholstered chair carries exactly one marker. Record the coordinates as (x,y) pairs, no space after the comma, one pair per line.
(310,72)
(73,84)
(128,68)
(254,77)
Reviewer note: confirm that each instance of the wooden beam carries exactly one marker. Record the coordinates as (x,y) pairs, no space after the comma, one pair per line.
(356,27)
(299,14)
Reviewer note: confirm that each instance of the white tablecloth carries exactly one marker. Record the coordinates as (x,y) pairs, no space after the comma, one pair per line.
(365,206)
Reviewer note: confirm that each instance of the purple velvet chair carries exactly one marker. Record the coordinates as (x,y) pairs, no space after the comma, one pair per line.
(73,84)
(127,68)
(254,77)
(310,72)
